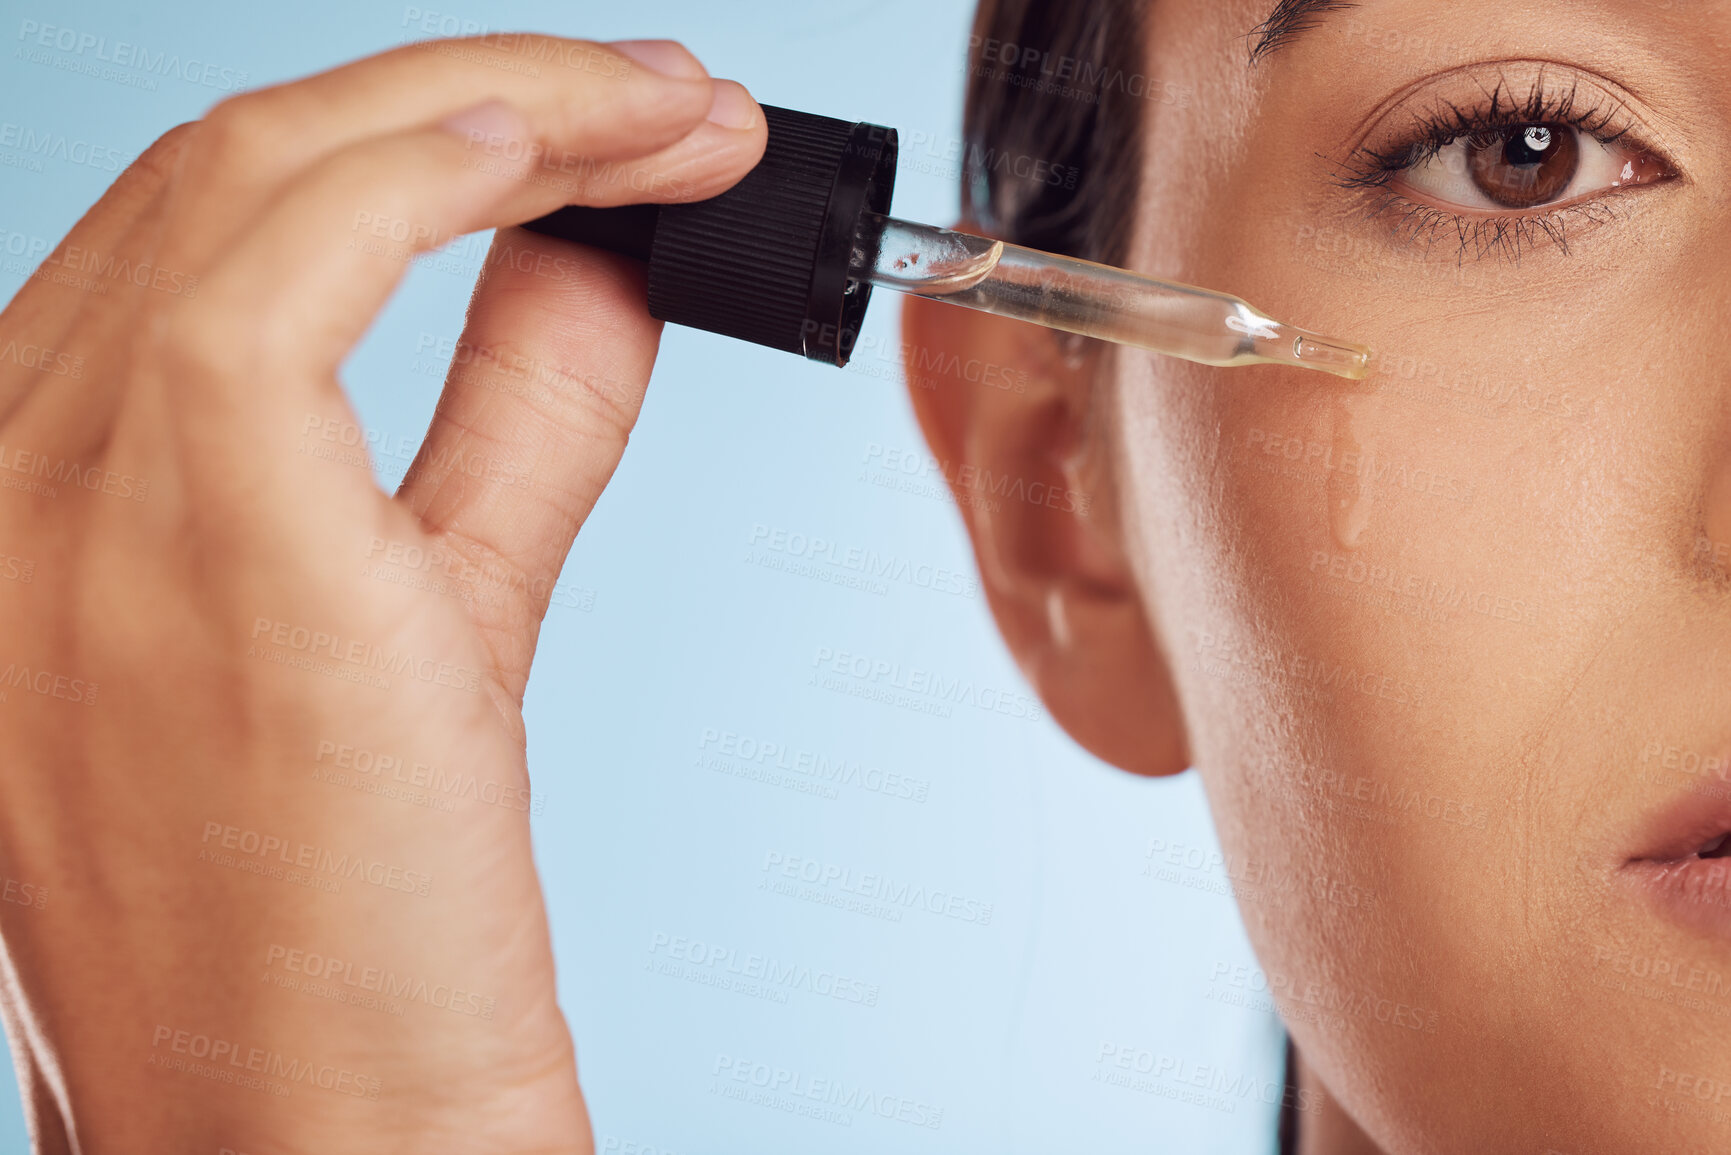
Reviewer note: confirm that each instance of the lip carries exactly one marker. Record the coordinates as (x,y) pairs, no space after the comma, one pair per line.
(1669,871)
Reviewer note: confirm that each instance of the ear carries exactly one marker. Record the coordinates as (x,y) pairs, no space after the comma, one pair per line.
(1007,412)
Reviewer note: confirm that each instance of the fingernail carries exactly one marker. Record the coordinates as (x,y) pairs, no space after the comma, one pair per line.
(493,118)
(668,57)
(733,106)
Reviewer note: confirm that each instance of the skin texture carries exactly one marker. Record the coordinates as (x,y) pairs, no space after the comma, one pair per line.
(189,604)
(1549,435)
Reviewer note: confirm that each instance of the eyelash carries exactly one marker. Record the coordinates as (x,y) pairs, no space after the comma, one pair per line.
(1371,170)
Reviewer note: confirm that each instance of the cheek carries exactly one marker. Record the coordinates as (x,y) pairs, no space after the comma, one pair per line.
(1402,614)
(1412,550)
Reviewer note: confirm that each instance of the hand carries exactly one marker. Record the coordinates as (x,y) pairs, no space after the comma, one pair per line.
(264,802)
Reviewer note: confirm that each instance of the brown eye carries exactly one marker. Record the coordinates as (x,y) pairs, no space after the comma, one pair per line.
(1524,165)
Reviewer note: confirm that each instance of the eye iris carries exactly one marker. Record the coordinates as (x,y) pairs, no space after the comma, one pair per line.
(1525,165)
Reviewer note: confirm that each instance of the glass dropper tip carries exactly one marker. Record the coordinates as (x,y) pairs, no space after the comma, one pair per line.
(1342,358)
(1271,342)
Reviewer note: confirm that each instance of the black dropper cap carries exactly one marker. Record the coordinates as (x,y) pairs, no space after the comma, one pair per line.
(766,261)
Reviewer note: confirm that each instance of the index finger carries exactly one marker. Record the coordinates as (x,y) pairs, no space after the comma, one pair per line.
(597,99)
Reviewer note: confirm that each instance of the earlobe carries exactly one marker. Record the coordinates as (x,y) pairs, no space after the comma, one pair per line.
(1006,410)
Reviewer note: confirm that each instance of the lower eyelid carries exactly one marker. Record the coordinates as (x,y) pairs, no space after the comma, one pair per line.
(1417,197)
(1510,236)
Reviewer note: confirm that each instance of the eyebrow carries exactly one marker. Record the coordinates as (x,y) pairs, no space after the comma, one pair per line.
(1288,20)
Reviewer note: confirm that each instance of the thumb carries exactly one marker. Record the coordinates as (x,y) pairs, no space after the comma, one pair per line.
(542,395)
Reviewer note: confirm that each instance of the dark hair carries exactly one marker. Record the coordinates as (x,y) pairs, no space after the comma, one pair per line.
(1058,84)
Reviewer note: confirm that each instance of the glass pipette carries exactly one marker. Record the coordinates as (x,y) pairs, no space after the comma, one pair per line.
(1091,299)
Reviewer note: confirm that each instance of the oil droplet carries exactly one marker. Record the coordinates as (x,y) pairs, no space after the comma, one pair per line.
(1713,537)
(1349,475)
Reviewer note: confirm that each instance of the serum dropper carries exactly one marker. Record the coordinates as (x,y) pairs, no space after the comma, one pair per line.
(788,257)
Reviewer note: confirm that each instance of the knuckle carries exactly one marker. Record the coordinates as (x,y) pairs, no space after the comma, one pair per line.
(602,410)
(582,405)
(237,133)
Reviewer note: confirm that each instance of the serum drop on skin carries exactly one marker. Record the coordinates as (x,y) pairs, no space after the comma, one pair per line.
(1349,490)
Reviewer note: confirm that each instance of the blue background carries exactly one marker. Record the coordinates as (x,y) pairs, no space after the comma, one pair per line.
(668,632)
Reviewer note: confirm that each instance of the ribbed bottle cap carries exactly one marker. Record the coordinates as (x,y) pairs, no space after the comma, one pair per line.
(766,261)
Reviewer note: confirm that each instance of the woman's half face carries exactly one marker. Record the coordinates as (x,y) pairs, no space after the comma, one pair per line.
(1453,645)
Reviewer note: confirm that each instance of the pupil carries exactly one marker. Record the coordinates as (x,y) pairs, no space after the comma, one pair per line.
(1524,166)
(1530,148)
